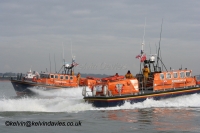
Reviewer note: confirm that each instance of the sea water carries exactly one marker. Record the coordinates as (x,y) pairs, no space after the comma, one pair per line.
(64,110)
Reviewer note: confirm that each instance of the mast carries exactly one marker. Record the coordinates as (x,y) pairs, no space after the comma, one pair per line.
(50,62)
(73,59)
(65,65)
(159,52)
(55,63)
(63,54)
(143,44)
(143,41)
(71,48)
(158,57)
(68,69)
(150,48)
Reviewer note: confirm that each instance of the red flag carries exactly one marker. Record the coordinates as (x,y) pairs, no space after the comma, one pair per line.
(74,64)
(138,56)
(143,58)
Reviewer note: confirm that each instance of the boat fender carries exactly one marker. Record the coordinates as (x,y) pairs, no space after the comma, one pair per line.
(84,91)
(119,88)
(105,90)
(34,79)
(94,91)
(109,93)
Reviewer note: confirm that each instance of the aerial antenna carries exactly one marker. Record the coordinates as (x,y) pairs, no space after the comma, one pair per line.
(50,62)
(156,47)
(55,62)
(143,42)
(159,51)
(150,48)
(30,68)
(159,44)
(63,50)
(63,54)
(71,47)
(73,57)
(181,67)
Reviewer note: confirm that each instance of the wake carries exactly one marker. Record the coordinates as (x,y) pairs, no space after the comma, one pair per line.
(71,100)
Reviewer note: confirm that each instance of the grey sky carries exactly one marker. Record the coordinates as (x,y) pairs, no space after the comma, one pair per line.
(106,35)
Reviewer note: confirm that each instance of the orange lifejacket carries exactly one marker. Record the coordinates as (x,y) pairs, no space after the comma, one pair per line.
(129,76)
(146,72)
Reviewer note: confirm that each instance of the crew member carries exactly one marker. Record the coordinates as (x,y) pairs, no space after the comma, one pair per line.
(129,75)
(72,72)
(117,75)
(145,74)
(78,78)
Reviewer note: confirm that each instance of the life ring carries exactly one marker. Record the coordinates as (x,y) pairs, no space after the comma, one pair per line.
(84,91)
(94,91)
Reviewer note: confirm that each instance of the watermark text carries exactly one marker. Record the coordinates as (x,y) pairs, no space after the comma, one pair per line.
(102,66)
(41,123)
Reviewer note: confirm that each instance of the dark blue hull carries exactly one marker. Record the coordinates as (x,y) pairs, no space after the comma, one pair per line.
(120,100)
(23,87)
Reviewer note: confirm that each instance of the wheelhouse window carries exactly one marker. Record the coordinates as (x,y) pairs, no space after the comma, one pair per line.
(161,76)
(44,76)
(197,77)
(56,76)
(188,74)
(66,77)
(182,74)
(175,75)
(61,76)
(168,75)
(51,76)
(71,78)
(41,76)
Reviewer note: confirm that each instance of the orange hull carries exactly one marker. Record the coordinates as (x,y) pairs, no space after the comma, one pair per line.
(173,79)
(64,80)
(58,80)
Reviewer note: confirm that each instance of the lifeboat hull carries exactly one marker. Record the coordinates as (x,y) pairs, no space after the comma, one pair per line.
(120,100)
(23,87)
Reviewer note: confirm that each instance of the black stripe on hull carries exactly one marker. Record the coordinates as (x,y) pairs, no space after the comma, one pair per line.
(120,100)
